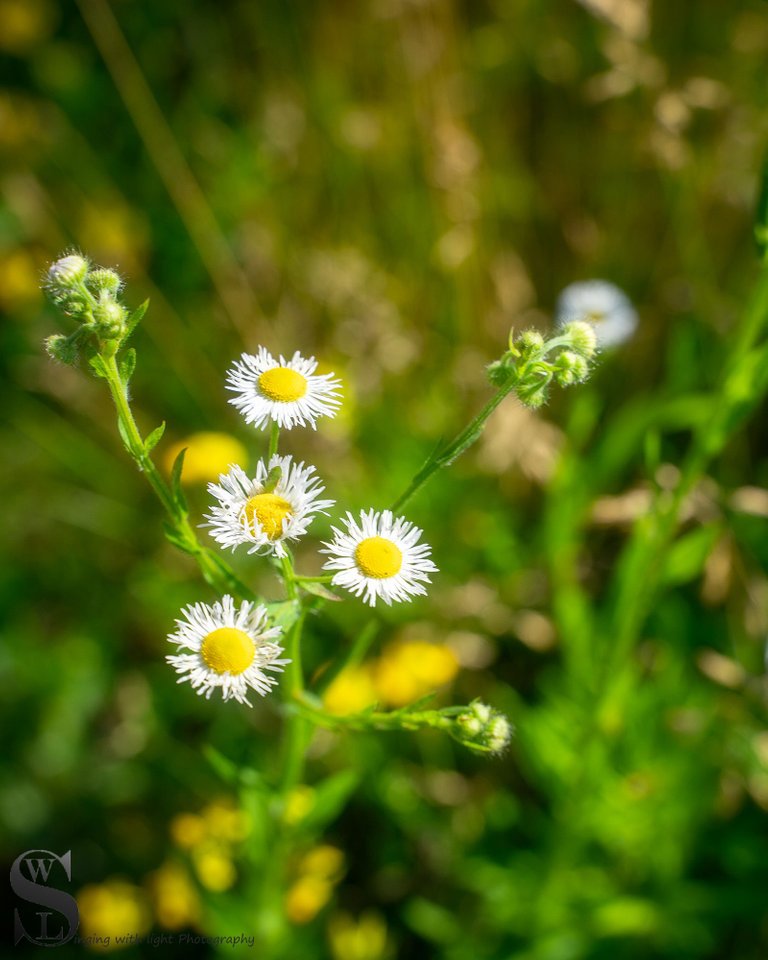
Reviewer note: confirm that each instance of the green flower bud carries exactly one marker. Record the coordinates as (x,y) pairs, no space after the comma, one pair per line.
(109,318)
(61,348)
(104,280)
(482,728)
(498,372)
(583,337)
(570,368)
(67,272)
(530,342)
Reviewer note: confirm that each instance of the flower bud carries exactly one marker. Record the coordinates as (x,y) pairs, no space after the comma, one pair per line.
(498,372)
(570,368)
(61,348)
(529,342)
(104,280)
(482,729)
(582,336)
(109,318)
(67,272)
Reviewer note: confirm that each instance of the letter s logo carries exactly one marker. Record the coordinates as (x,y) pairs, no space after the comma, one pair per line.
(38,866)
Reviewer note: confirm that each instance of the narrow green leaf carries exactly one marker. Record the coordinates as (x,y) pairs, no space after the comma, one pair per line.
(135,318)
(172,536)
(224,767)
(98,366)
(330,798)
(687,556)
(124,436)
(178,493)
(284,613)
(127,365)
(154,438)
(319,590)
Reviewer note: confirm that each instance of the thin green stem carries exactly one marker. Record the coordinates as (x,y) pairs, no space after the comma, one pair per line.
(274,439)
(297,727)
(456,447)
(215,569)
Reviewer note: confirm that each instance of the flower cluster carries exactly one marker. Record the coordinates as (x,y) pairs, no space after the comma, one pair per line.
(482,729)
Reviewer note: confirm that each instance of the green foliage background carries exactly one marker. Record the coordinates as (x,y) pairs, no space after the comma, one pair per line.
(391,186)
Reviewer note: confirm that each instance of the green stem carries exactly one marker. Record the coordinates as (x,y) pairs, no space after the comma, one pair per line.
(274,439)
(456,447)
(297,727)
(215,570)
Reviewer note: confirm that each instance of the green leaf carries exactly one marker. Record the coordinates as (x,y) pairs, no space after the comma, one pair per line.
(126,365)
(224,767)
(154,438)
(134,319)
(178,493)
(173,536)
(124,436)
(98,366)
(284,613)
(330,798)
(319,590)
(687,556)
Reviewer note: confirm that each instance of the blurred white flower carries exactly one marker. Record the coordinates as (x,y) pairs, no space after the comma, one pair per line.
(602,304)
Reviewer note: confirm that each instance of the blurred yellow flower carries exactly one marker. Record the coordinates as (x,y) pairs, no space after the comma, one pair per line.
(19,280)
(323,861)
(306,898)
(208,455)
(24,23)
(224,821)
(351,691)
(188,830)
(407,671)
(174,896)
(318,872)
(214,868)
(362,939)
(110,910)
(298,804)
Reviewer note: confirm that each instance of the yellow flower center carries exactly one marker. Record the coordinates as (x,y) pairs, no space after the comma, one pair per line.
(270,510)
(228,650)
(378,558)
(595,316)
(282,384)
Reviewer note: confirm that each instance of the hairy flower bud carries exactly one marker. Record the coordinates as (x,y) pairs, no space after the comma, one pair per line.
(67,272)
(482,729)
(530,342)
(61,348)
(582,336)
(104,280)
(109,318)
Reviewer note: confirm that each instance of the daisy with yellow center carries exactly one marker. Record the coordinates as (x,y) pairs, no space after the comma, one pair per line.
(227,648)
(264,512)
(286,392)
(379,557)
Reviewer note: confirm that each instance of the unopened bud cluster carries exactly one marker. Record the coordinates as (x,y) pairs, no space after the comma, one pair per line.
(482,729)
(89,295)
(531,363)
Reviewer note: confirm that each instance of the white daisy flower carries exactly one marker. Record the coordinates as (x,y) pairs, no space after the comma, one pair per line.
(249,513)
(287,392)
(227,648)
(379,557)
(603,305)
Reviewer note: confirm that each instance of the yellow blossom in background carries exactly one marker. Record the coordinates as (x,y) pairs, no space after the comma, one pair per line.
(174,897)
(361,939)
(24,24)
(223,821)
(306,898)
(350,692)
(112,909)
(318,872)
(298,804)
(19,280)
(407,671)
(188,830)
(323,861)
(214,868)
(208,455)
